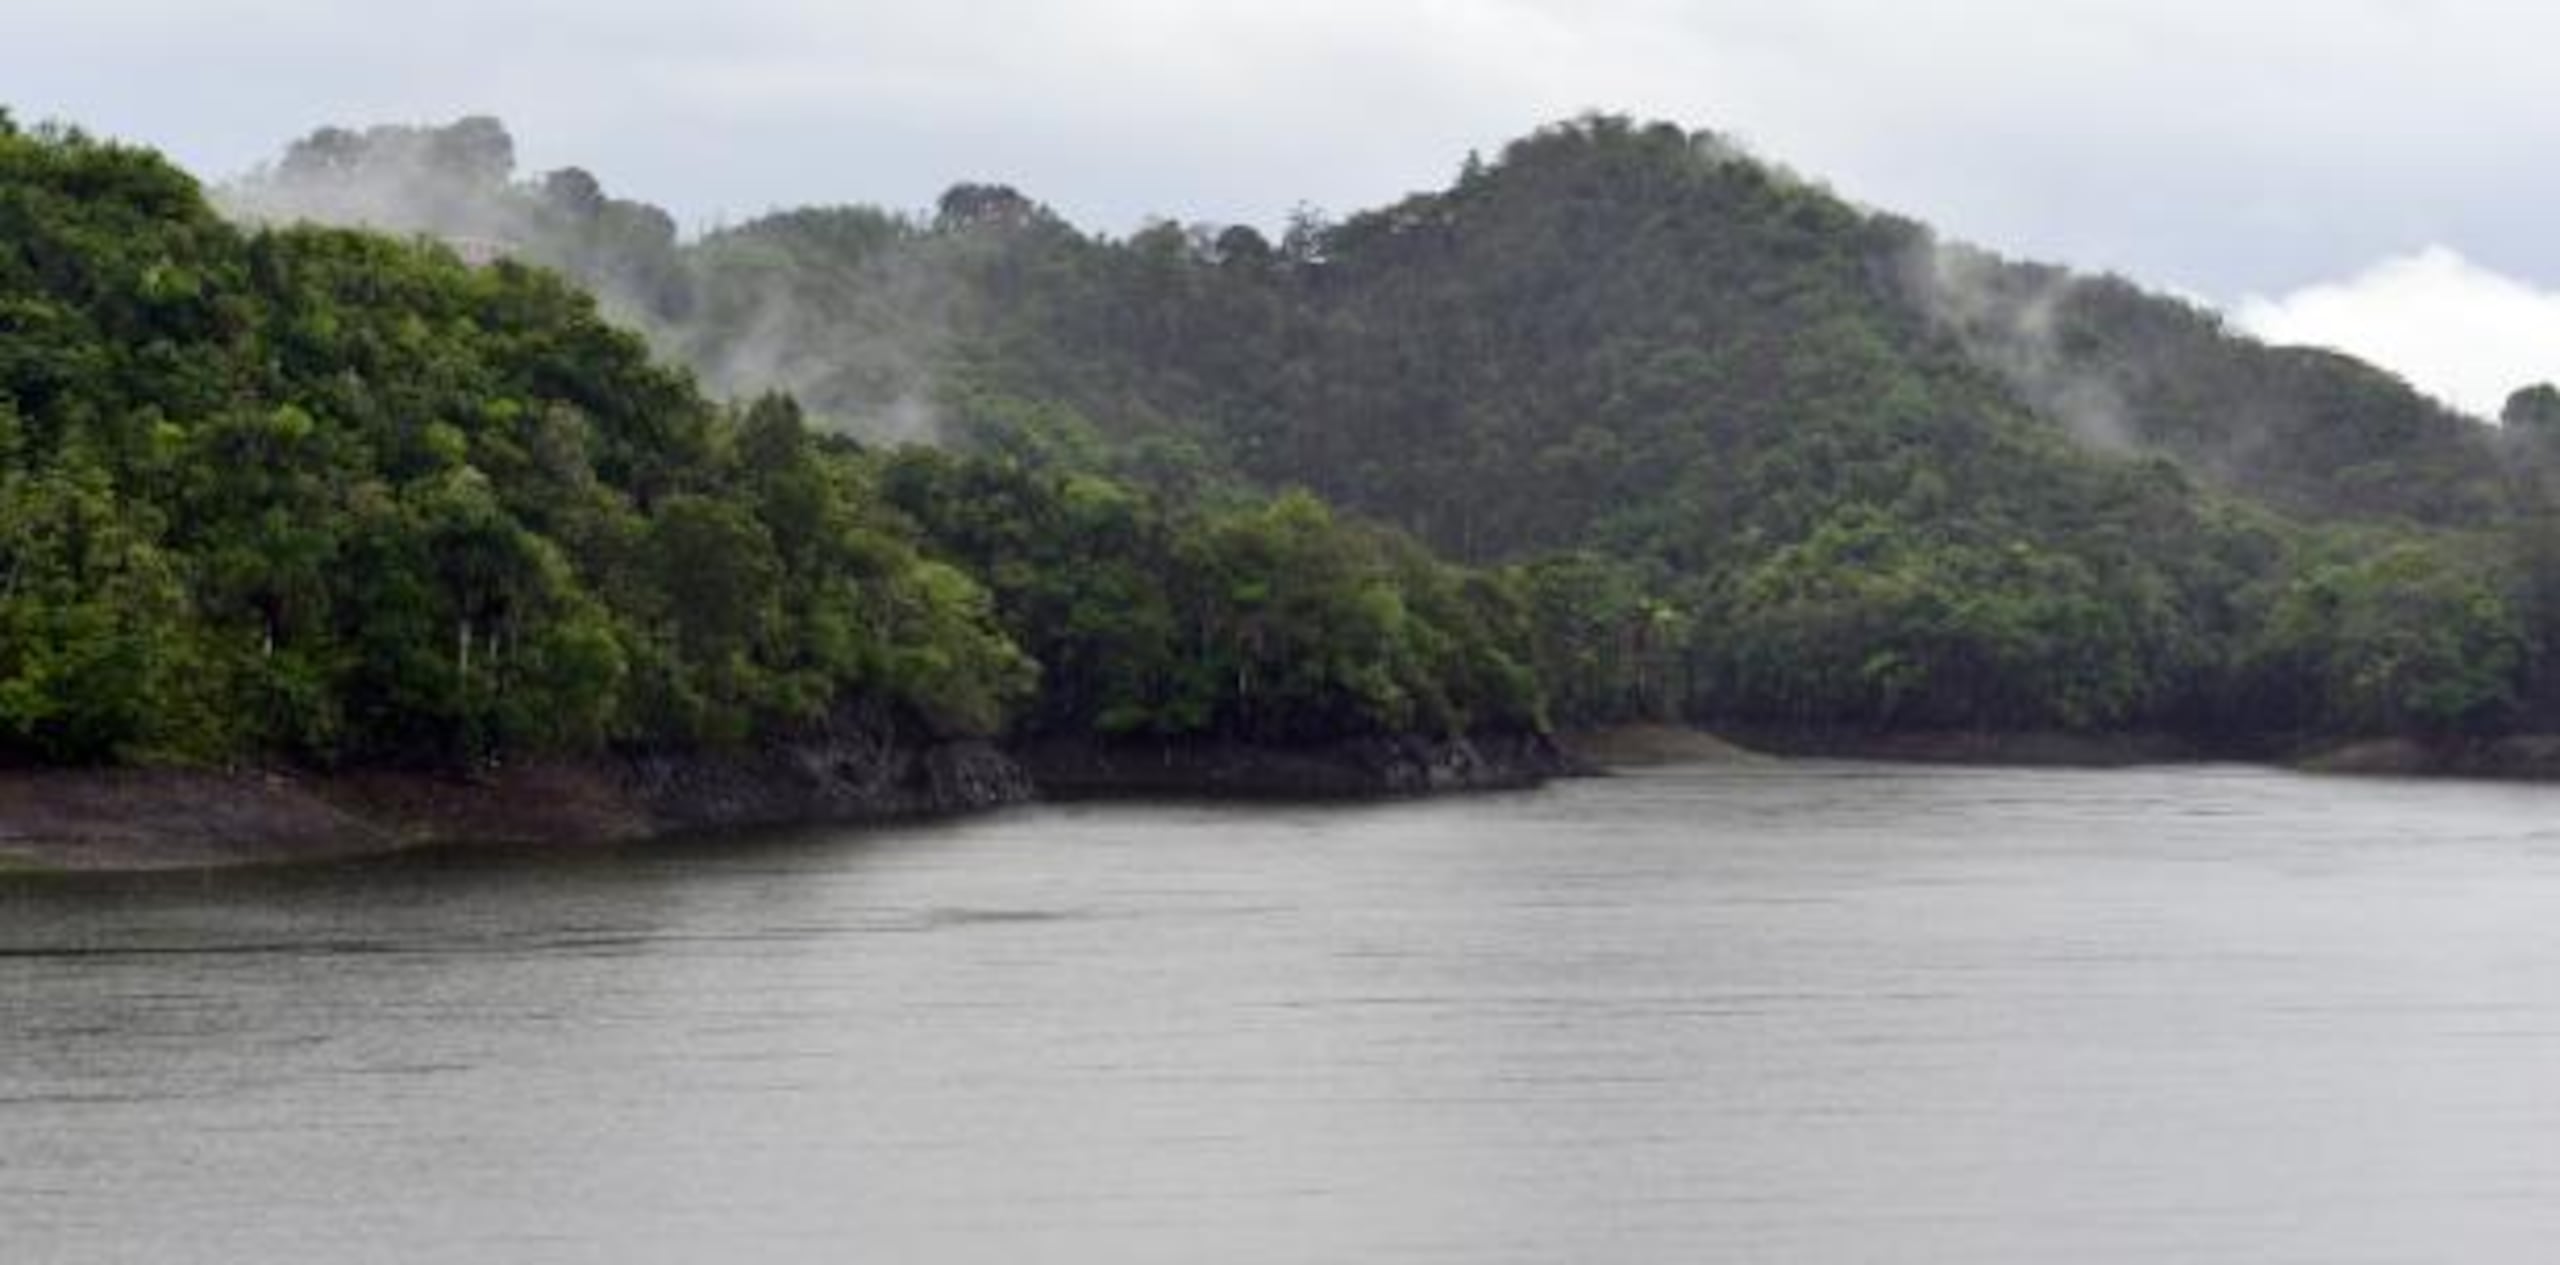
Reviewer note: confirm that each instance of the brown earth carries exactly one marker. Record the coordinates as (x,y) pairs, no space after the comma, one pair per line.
(2522,757)
(856,768)
(1651,746)
(2033,749)
(1350,768)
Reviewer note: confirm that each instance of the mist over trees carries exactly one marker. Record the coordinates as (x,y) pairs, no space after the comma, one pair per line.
(1709,443)
(330,497)
(1753,454)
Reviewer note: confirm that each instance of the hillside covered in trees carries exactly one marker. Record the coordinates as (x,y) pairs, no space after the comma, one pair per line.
(1746,453)
(334,498)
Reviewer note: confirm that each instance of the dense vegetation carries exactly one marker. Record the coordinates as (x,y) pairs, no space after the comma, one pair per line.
(323,496)
(1743,452)
(1274,622)
(1720,445)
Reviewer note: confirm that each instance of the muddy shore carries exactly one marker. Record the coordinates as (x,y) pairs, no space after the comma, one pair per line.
(1352,768)
(861,765)
(859,770)
(2522,757)
(865,769)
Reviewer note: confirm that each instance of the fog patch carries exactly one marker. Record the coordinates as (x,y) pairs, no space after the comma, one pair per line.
(856,335)
(2011,318)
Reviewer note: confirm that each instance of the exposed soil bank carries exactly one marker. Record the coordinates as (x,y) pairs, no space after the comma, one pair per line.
(857,769)
(866,769)
(1653,746)
(2522,757)
(1349,768)
(148,819)
(2032,749)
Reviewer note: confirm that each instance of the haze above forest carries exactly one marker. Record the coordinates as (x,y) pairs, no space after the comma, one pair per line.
(1722,446)
(2355,152)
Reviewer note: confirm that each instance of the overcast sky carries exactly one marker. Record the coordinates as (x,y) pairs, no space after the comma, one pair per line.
(2322,170)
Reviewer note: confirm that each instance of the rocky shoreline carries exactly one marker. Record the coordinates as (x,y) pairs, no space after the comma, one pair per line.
(863,769)
(866,768)
(2024,749)
(1351,768)
(860,767)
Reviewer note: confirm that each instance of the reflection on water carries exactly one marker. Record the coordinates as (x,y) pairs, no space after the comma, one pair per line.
(1823,1012)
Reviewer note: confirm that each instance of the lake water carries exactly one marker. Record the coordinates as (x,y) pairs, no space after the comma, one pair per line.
(1798,1013)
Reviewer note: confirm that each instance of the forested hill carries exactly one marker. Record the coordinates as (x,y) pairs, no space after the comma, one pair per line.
(1748,453)
(325,497)
(1593,316)
(1610,323)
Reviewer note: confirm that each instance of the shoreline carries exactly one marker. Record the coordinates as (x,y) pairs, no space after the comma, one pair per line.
(867,771)
(2510,758)
(2030,749)
(2514,758)
(1394,766)
(862,766)
(859,772)
(147,820)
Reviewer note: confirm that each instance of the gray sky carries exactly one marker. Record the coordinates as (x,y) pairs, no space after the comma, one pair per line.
(2320,169)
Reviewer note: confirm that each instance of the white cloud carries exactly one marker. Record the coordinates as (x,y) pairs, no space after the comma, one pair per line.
(2461,332)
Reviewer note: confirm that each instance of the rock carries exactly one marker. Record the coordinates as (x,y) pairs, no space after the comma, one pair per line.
(1364,767)
(862,765)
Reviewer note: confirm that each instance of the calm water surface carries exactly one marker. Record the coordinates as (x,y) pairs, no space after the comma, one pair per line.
(1801,1013)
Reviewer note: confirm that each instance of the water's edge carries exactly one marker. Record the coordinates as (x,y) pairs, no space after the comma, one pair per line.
(856,771)
(1352,768)
(1820,1011)
(867,769)
(2510,758)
